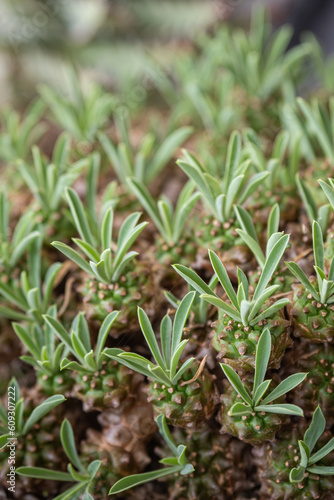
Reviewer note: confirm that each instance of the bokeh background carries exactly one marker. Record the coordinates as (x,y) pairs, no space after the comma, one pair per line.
(124,43)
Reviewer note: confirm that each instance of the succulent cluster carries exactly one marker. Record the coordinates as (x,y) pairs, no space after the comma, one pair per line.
(182,347)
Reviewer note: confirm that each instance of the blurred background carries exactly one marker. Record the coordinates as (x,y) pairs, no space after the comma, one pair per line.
(119,43)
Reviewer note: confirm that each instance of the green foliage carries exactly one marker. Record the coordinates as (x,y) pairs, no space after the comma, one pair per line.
(177,463)
(321,214)
(259,61)
(319,124)
(77,472)
(107,259)
(243,309)
(14,421)
(249,235)
(147,161)
(235,185)
(14,244)
(328,189)
(18,135)
(253,401)
(323,290)
(78,342)
(46,354)
(165,369)
(170,222)
(308,462)
(29,295)
(47,181)
(284,160)
(199,307)
(81,113)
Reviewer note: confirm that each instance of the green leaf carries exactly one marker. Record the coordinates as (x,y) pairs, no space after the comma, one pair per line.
(176,356)
(222,306)
(322,452)
(131,481)
(261,300)
(242,280)
(148,333)
(271,264)
(304,453)
(273,221)
(133,361)
(87,249)
(4,440)
(281,409)
(328,190)
(260,391)
(285,386)
(318,246)
(166,151)
(166,337)
(322,470)
(42,410)
(246,222)
(73,255)
(253,246)
(186,365)
(59,331)
(166,434)
(232,156)
(193,279)
(79,216)
(240,409)
(236,383)
(68,443)
(72,493)
(27,339)
(262,358)
(103,333)
(301,276)
(267,313)
(308,200)
(233,191)
(106,229)
(180,319)
(220,271)
(315,429)
(146,200)
(40,473)
(297,475)
(245,307)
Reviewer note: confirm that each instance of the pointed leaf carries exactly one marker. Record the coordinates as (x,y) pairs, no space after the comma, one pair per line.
(236,383)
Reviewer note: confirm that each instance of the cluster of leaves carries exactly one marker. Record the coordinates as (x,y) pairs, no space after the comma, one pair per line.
(253,401)
(84,477)
(323,290)
(77,472)
(96,240)
(147,162)
(234,185)
(20,425)
(308,462)
(170,222)
(18,135)
(29,295)
(165,371)
(243,309)
(82,114)
(47,181)
(78,342)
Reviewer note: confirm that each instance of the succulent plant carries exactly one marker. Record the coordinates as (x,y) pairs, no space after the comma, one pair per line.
(312,299)
(240,324)
(186,395)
